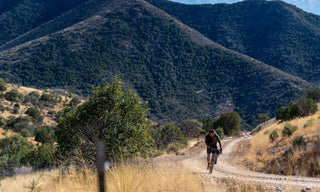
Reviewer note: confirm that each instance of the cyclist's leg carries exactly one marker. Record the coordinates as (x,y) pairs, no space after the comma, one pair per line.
(217,152)
(214,156)
(208,157)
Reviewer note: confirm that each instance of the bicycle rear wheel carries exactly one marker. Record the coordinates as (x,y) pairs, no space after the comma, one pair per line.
(213,159)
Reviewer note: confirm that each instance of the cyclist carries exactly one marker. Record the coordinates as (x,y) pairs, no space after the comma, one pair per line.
(211,140)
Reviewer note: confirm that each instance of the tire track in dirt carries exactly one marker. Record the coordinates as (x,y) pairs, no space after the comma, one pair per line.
(226,169)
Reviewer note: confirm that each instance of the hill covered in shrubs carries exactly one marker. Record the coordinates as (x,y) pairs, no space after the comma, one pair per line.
(180,72)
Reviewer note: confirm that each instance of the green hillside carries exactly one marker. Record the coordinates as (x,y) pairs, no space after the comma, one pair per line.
(274,32)
(18,17)
(181,73)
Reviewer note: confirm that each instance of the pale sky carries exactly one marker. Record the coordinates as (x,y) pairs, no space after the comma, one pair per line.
(312,6)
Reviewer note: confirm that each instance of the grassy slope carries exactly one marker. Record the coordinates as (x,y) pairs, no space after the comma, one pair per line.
(48,120)
(281,156)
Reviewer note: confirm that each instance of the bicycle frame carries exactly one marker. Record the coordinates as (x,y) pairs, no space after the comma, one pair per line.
(214,156)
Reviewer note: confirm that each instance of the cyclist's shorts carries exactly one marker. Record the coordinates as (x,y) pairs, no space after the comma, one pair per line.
(209,150)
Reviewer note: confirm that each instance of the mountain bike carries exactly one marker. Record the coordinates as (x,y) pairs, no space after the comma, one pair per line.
(215,154)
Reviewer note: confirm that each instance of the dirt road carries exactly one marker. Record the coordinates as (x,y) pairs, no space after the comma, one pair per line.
(195,159)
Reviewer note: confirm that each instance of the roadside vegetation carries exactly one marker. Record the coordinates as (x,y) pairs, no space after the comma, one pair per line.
(54,130)
(60,145)
(290,146)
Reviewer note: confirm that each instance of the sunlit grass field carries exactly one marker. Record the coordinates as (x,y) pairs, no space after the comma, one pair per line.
(123,178)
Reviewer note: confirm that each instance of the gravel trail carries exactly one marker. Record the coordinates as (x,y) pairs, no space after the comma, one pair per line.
(195,160)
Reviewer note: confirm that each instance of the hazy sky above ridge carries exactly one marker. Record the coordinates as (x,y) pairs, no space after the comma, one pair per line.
(312,6)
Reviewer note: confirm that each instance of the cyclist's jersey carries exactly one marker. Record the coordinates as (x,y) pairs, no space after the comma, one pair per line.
(213,141)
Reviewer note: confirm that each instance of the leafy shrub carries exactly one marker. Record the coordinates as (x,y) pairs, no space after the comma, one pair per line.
(306,107)
(298,141)
(2,121)
(220,132)
(17,124)
(288,130)
(13,96)
(164,135)
(2,85)
(285,114)
(274,135)
(115,115)
(35,114)
(12,150)
(170,134)
(172,148)
(16,108)
(50,99)
(74,101)
(44,134)
(314,94)
(25,133)
(229,122)
(2,108)
(207,124)
(33,98)
(41,157)
(190,128)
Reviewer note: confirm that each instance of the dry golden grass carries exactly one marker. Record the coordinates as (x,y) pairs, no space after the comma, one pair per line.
(281,156)
(128,178)
(122,178)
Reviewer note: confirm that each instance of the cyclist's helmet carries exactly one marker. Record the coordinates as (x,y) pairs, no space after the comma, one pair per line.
(212,131)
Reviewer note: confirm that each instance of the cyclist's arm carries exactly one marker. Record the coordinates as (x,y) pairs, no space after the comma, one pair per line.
(219,141)
(206,141)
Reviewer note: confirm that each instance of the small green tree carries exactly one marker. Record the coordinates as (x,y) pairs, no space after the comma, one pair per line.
(41,157)
(25,133)
(17,124)
(314,94)
(13,96)
(111,114)
(306,107)
(281,114)
(2,108)
(35,114)
(44,134)
(16,108)
(191,128)
(2,85)
(2,121)
(12,149)
(229,122)
(170,134)
(208,123)
(220,132)
(33,98)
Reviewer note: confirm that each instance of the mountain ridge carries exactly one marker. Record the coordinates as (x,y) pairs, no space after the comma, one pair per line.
(162,59)
(274,32)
